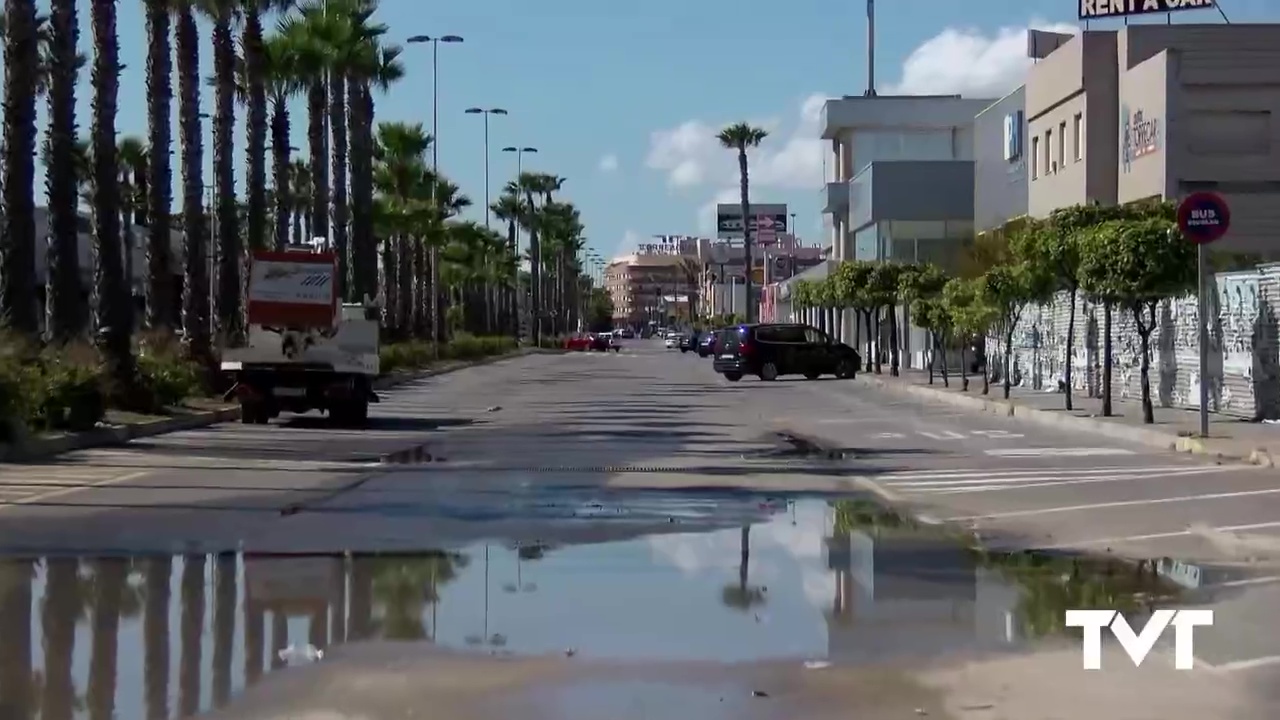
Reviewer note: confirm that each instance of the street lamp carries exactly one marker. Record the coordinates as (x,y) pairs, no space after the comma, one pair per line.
(486,113)
(434,252)
(519,151)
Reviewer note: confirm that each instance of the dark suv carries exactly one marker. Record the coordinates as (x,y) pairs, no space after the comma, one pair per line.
(771,350)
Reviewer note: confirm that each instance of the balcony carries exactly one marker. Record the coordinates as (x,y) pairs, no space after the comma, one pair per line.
(836,201)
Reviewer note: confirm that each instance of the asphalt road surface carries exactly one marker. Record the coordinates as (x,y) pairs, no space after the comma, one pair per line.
(588,447)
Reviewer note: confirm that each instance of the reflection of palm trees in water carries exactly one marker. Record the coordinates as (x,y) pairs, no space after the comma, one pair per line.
(15,639)
(110,576)
(155,637)
(743,596)
(192,634)
(62,608)
(224,625)
(403,586)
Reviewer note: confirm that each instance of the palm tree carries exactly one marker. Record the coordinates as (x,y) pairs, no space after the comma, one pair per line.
(112,317)
(223,13)
(17,177)
(64,305)
(159,287)
(508,208)
(155,637)
(401,182)
(283,81)
(195,283)
(257,74)
(404,586)
(301,192)
(110,576)
(134,159)
(741,137)
(61,609)
(377,67)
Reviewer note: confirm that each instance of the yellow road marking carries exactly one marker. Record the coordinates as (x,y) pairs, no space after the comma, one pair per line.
(41,497)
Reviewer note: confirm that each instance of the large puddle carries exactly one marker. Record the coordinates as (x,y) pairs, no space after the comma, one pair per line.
(162,637)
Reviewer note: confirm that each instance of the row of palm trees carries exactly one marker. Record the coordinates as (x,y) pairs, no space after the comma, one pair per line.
(362,182)
(388,597)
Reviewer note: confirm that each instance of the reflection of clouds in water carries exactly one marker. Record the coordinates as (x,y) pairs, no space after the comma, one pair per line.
(803,542)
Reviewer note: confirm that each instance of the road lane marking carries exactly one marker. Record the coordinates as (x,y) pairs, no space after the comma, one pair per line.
(944,435)
(1173,534)
(1107,505)
(45,496)
(980,473)
(1003,484)
(1056,452)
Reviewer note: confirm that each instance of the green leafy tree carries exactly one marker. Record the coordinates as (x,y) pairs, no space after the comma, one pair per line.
(1054,245)
(881,292)
(933,316)
(850,282)
(971,317)
(1136,264)
(921,281)
(1010,289)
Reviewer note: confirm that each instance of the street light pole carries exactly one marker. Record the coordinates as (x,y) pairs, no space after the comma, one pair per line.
(433,251)
(486,113)
(519,151)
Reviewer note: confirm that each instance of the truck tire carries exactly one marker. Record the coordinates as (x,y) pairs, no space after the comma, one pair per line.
(350,413)
(254,413)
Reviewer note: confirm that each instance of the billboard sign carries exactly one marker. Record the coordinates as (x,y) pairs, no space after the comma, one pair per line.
(1139,135)
(1013,137)
(1098,9)
(729,221)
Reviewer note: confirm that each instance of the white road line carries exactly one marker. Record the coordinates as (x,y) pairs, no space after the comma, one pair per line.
(1034,474)
(1117,504)
(1057,452)
(1171,534)
(42,497)
(1018,484)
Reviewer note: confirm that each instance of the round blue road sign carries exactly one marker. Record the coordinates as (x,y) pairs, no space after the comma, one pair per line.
(1203,217)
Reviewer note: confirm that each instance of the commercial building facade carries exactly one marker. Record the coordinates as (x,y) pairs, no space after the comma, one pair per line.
(647,288)
(1000,162)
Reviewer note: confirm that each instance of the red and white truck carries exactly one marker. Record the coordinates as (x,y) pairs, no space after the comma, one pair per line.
(305,350)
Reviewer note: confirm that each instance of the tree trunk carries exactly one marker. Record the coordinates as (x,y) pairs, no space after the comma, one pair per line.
(195,283)
(1007,380)
(1071,346)
(747,235)
(933,352)
(155,638)
(280,160)
(1106,359)
(338,137)
(942,352)
(964,367)
(865,316)
(191,635)
(893,340)
(318,146)
(256,127)
(224,626)
(109,576)
(227,214)
(61,609)
(64,308)
(1145,326)
(879,362)
(18,220)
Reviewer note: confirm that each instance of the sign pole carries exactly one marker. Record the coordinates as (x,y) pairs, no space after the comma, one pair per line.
(1202,298)
(1203,218)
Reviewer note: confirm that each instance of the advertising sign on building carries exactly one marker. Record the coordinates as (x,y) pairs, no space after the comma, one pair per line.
(1013,125)
(770,218)
(1096,9)
(1139,135)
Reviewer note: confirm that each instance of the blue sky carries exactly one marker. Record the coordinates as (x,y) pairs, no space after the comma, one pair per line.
(622,99)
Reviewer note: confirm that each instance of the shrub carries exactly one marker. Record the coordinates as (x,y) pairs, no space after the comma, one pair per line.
(417,354)
(69,389)
(167,376)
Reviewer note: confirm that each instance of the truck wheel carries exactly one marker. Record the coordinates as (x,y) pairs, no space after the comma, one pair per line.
(254,413)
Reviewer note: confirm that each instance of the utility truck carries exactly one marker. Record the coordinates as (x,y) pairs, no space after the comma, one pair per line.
(304,350)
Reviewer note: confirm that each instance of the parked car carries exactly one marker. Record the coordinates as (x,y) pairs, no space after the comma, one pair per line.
(707,343)
(771,350)
(688,342)
(672,342)
(577,342)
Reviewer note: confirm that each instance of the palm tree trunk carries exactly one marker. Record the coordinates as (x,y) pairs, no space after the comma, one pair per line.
(280,158)
(224,626)
(228,219)
(15,628)
(61,609)
(17,176)
(64,308)
(747,235)
(338,135)
(420,274)
(364,245)
(109,577)
(256,126)
(155,637)
(403,280)
(190,662)
(195,284)
(318,142)
(108,273)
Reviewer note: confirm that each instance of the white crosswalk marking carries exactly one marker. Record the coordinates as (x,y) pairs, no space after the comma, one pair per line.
(1057,452)
(21,484)
(944,435)
(951,482)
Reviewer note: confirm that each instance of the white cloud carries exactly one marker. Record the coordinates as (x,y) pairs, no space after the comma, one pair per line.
(609,163)
(628,244)
(970,62)
(707,212)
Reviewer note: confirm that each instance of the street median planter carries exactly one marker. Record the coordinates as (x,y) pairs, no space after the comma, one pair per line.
(42,446)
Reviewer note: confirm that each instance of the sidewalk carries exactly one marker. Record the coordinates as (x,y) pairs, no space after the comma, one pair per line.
(1231,438)
(120,428)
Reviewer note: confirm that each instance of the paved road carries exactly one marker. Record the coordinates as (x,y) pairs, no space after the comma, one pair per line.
(535,446)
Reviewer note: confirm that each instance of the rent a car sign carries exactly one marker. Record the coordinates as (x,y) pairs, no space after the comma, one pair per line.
(1095,9)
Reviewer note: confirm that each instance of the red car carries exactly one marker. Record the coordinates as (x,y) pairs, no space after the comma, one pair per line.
(578,343)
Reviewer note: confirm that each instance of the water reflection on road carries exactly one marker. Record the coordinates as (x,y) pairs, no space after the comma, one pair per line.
(160,637)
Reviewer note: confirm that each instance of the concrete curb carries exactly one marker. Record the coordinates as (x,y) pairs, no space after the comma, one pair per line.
(1146,437)
(43,447)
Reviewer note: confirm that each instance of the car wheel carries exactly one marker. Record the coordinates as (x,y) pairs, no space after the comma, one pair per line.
(846,370)
(812,375)
(733,377)
(684,350)
(768,372)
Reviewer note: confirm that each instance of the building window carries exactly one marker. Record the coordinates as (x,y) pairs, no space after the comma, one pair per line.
(1078,138)
(1062,143)
(1035,158)
(1049,167)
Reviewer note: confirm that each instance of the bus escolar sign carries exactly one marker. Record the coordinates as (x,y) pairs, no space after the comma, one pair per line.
(1096,9)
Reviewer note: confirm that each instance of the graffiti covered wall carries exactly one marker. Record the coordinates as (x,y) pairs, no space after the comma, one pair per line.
(1244,368)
